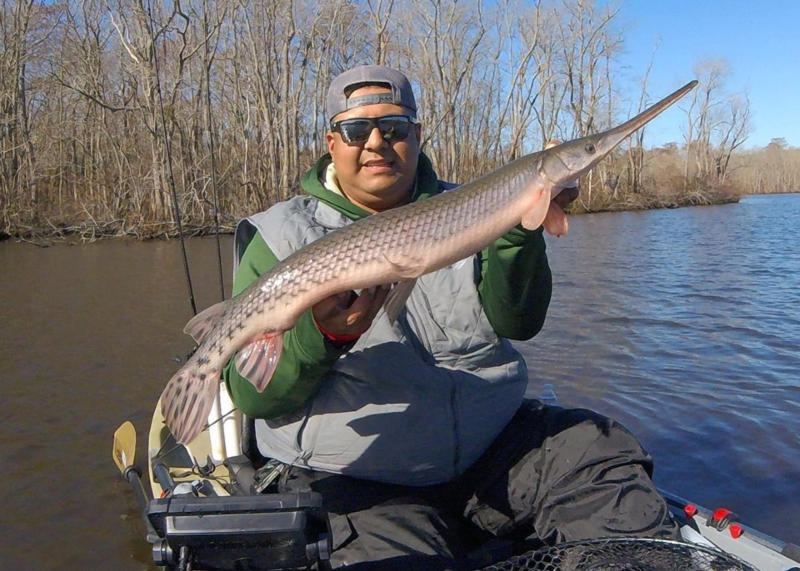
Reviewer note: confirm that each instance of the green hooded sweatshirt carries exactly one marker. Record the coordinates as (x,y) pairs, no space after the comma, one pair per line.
(515,289)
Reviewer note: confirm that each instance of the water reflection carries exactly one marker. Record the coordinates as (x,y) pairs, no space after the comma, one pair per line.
(88,337)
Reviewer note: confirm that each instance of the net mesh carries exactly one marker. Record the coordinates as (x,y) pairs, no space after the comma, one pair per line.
(624,554)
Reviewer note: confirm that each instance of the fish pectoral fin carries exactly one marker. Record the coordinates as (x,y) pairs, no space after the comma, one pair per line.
(396,299)
(534,216)
(199,325)
(406,267)
(258,360)
(186,402)
(555,221)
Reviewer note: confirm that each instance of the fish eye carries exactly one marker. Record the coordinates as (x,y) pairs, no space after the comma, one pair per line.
(590,148)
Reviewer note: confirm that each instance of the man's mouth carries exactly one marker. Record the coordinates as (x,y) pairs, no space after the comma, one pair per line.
(378,165)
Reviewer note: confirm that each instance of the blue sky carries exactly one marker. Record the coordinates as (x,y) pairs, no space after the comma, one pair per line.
(759,39)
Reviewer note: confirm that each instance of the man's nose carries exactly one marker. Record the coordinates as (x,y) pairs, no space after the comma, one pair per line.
(376,140)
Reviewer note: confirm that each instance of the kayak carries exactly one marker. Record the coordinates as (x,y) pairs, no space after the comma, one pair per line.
(210,506)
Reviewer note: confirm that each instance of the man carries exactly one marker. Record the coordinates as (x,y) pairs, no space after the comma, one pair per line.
(416,432)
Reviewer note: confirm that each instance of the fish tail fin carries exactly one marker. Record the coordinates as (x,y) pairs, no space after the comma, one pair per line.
(187,400)
(258,360)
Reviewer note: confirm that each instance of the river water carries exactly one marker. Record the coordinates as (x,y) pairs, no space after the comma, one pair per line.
(683,324)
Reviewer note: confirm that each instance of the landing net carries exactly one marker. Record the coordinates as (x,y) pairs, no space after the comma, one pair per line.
(624,554)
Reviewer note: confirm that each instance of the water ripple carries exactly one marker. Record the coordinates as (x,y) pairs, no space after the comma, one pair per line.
(685,325)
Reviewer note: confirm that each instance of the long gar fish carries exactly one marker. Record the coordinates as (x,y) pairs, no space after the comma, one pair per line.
(392,247)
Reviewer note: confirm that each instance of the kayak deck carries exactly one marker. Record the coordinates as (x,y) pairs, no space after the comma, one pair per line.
(206,482)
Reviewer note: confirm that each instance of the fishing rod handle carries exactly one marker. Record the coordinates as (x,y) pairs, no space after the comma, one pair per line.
(162,475)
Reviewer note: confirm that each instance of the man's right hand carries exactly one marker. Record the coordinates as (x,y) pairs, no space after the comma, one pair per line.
(567,196)
(348,313)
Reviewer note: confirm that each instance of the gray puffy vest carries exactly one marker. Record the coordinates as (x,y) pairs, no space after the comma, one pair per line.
(412,403)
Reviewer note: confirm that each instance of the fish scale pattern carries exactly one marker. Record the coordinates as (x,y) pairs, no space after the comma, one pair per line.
(407,230)
(412,230)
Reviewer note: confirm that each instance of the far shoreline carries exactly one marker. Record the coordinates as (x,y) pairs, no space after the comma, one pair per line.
(85,233)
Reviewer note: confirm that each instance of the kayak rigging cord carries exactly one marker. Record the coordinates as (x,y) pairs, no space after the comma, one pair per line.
(168,151)
(161,452)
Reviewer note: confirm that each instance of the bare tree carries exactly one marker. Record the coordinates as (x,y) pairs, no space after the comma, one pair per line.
(108,107)
(732,132)
(526,80)
(589,44)
(553,89)
(636,154)
(380,12)
(24,29)
(450,34)
(717,124)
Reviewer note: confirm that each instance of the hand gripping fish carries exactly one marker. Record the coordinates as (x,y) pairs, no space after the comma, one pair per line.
(395,246)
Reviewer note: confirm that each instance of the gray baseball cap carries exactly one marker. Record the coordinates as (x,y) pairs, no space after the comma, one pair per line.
(401,94)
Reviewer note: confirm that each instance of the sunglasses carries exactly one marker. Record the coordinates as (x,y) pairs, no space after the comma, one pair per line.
(357,131)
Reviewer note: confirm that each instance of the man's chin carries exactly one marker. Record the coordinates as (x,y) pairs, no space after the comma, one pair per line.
(389,196)
(381,183)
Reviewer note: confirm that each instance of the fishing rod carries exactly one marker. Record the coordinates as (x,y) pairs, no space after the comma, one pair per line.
(171,176)
(168,148)
(210,127)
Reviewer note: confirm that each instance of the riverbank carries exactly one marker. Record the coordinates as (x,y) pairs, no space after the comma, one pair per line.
(664,200)
(87,232)
(82,232)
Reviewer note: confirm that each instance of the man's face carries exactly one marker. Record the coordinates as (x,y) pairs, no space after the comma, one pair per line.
(378,174)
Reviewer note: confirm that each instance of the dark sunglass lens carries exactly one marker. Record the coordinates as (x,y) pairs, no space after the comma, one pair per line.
(356,130)
(394,128)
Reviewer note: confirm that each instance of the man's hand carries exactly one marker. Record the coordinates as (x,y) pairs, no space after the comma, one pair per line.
(348,313)
(567,196)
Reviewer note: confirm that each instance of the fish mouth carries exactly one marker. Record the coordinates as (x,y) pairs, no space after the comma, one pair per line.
(569,160)
(611,138)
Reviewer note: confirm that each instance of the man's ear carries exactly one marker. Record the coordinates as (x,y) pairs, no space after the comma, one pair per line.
(418,132)
(329,138)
